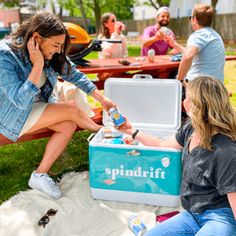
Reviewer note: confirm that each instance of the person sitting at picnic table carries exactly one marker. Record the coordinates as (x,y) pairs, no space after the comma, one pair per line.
(31,60)
(208,143)
(153,37)
(205,52)
(112,29)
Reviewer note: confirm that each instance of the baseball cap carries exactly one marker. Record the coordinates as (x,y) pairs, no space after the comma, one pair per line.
(163,9)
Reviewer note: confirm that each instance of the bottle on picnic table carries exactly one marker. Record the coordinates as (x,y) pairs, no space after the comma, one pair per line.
(151,55)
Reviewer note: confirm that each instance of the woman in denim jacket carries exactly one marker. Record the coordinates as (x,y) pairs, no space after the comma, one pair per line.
(31,59)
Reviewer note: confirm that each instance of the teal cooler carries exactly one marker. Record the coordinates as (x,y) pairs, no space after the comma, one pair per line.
(138,173)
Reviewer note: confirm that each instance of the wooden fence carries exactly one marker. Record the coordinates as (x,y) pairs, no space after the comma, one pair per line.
(225,26)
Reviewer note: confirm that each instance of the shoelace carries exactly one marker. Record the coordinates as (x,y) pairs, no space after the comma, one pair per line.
(50,180)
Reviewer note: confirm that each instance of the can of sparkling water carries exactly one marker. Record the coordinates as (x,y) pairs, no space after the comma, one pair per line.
(166,30)
(137,227)
(116,117)
(151,55)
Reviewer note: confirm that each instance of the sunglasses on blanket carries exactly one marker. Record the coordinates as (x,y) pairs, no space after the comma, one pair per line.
(45,219)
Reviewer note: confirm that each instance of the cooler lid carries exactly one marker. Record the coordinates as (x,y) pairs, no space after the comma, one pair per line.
(152,104)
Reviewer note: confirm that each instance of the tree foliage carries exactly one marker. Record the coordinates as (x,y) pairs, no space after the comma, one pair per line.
(95,8)
(10,3)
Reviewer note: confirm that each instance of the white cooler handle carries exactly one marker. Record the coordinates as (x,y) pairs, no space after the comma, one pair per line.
(90,137)
(142,76)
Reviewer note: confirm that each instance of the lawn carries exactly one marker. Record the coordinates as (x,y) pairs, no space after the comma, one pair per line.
(19,160)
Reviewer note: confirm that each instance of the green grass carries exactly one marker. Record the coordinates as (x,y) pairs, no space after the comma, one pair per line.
(17,161)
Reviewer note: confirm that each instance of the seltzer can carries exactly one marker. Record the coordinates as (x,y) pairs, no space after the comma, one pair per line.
(137,227)
(151,55)
(116,117)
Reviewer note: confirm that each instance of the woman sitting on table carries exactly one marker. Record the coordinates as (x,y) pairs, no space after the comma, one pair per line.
(208,142)
(31,60)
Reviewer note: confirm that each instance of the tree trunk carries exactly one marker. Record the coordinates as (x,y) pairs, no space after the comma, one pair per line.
(159,4)
(60,11)
(53,6)
(97,11)
(153,4)
(213,3)
(85,24)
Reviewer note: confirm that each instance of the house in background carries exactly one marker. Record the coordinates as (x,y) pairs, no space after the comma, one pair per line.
(9,20)
(181,8)
(143,12)
(9,17)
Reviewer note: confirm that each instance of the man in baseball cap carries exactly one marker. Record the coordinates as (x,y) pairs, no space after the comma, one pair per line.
(153,37)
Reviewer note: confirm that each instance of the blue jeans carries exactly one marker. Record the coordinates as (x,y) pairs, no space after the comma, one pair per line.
(217,222)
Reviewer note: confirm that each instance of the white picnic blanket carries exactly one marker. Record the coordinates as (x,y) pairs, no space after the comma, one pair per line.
(78,213)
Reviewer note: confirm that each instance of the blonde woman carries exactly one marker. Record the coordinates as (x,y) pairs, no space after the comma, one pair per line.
(208,142)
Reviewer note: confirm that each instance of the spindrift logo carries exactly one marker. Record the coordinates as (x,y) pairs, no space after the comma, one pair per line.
(158,173)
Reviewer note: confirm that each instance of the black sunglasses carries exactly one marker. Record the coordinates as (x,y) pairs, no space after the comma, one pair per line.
(45,219)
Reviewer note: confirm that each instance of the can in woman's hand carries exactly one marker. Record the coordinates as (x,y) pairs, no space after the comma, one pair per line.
(116,117)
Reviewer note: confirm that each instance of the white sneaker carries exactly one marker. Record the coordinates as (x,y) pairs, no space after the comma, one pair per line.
(45,184)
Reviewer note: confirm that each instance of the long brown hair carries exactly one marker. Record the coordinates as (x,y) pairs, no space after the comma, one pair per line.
(104,32)
(210,110)
(47,25)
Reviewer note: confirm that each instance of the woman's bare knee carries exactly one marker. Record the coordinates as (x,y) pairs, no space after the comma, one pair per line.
(65,127)
(59,113)
(74,110)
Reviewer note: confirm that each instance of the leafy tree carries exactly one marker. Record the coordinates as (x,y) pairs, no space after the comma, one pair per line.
(95,8)
(10,3)
(92,9)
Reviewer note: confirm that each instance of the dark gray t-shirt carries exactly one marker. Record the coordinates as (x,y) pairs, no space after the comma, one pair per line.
(207,175)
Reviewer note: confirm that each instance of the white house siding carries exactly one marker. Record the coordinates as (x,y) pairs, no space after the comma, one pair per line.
(182,8)
(226,7)
(143,12)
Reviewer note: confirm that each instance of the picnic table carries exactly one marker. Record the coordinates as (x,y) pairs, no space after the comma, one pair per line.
(136,64)
(162,67)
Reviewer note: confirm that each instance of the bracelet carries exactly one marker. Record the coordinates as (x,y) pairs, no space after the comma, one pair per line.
(135,133)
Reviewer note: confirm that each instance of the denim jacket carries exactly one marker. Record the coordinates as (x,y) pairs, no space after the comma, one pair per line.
(18,93)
